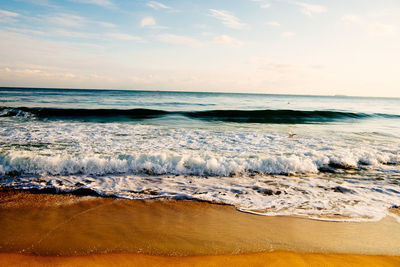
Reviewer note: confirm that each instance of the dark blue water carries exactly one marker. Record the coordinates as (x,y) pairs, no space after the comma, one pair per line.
(115,105)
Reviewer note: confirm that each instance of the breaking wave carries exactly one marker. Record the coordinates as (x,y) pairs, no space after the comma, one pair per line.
(169,163)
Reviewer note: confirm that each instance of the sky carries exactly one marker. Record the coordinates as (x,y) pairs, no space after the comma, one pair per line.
(319,47)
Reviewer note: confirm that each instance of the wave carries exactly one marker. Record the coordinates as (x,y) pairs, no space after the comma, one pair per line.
(274,116)
(25,163)
(334,197)
(80,113)
(171,163)
(240,116)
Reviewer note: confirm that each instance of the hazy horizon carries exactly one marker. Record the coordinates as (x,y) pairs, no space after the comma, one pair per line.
(187,91)
(249,46)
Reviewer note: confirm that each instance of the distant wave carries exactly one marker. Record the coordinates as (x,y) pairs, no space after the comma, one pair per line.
(274,116)
(241,116)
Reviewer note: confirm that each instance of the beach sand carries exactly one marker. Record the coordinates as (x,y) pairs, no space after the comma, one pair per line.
(67,230)
(279,258)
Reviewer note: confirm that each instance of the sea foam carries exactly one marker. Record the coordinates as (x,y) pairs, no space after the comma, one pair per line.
(257,169)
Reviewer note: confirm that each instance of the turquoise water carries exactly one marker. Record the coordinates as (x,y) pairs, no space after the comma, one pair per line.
(314,156)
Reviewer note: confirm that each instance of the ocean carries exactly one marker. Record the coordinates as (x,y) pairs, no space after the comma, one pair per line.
(323,157)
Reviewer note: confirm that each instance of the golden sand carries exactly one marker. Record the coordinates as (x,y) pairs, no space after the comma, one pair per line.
(78,229)
(279,258)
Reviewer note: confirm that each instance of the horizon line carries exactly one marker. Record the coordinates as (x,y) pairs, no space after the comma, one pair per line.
(181,91)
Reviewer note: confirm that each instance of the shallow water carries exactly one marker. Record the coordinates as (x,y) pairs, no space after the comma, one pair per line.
(317,156)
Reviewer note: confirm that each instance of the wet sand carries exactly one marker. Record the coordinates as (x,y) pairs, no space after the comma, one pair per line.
(72,230)
(280,258)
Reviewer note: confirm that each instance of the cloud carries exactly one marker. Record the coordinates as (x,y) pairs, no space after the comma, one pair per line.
(26,31)
(38,2)
(71,20)
(179,40)
(310,9)
(373,28)
(52,78)
(76,34)
(66,20)
(106,24)
(225,39)
(36,72)
(288,34)
(227,18)
(273,23)
(148,21)
(8,16)
(157,5)
(71,34)
(102,3)
(52,33)
(263,4)
(125,37)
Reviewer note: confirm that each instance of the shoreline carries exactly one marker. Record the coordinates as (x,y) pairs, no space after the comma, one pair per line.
(67,230)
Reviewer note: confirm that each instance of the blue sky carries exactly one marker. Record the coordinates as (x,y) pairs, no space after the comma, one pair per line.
(261,46)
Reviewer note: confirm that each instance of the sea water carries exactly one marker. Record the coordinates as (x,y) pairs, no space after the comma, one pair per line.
(324,157)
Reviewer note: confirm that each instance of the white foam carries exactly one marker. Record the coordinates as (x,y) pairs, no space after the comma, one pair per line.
(229,165)
(156,163)
(315,196)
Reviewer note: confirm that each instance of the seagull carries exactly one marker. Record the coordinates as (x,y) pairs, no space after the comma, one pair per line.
(291,135)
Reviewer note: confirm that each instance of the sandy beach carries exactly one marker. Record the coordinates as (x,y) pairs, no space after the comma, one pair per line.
(256,259)
(67,230)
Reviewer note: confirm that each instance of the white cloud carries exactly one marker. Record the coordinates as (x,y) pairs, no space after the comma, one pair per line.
(75,34)
(157,5)
(8,16)
(51,78)
(106,24)
(225,39)
(39,2)
(71,34)
(102,3)
(310,9)
(288,34)
(53,32)
(148,21)
(26,31)
(373,28)
(66,20)
(263,4)
(125,37)
(70,20)
(273,23)
(227,18)
(179,40)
